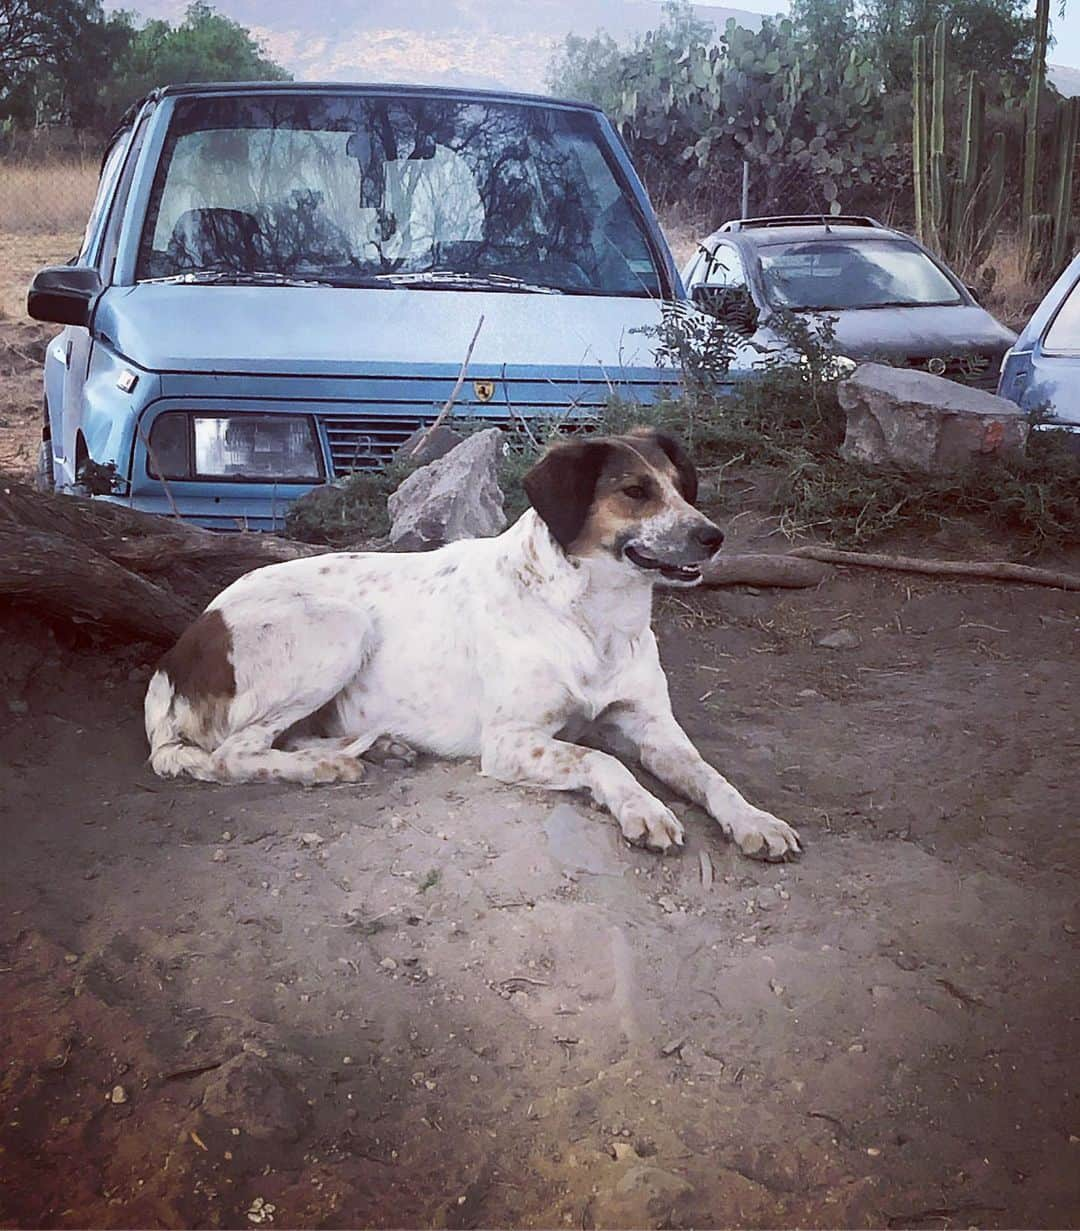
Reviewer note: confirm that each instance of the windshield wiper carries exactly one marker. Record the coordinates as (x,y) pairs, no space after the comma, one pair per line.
(253,277)
(435,278)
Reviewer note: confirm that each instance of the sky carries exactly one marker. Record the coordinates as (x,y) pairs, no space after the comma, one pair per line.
(477,42)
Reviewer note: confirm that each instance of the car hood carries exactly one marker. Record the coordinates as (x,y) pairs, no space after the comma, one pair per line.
(346,331)
(893,332)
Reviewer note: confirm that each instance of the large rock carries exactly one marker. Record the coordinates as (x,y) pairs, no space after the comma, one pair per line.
(456,497)
(902,417)
(433,443)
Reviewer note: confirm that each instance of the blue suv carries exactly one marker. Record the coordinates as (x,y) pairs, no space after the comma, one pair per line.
(279,283)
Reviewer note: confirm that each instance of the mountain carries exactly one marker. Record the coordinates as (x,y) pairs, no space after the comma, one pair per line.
(505,44)
(1067,80)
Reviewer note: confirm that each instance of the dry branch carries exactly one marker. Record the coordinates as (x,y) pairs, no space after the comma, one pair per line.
(986,570)
(764,571)
(443,414)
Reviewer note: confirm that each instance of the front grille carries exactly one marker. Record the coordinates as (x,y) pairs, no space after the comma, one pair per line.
(364,441)
(979,371)
(367,437)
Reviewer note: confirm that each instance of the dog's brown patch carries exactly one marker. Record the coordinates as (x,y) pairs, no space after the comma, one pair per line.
(200,666)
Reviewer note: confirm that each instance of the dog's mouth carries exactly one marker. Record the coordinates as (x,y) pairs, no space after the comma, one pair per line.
(686,573)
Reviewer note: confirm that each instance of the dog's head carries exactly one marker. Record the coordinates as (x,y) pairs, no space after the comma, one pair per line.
(627,497)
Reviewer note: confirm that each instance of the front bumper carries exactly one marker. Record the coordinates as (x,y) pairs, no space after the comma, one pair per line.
(236,511)
(360,423)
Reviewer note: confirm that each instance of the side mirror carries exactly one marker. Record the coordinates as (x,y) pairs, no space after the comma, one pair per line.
(733,306)
(63,294)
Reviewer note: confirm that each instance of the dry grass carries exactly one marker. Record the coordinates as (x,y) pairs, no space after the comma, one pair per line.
(46,198)
(43,210)
(683,233)
(1012,299)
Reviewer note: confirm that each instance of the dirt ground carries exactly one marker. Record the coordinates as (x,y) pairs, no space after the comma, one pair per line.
(431,1000)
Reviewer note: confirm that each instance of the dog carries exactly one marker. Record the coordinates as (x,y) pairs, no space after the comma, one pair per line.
(496,648)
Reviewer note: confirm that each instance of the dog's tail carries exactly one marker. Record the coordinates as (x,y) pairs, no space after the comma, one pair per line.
(170,753)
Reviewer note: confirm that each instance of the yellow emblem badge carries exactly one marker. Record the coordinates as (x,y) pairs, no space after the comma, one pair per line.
(484,390)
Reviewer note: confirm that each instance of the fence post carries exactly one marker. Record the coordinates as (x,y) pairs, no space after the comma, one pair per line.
(745,189)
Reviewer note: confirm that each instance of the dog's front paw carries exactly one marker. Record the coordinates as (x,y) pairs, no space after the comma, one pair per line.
(647,822)
(763,836)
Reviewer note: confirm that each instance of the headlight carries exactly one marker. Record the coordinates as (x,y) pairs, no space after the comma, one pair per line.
(251,447)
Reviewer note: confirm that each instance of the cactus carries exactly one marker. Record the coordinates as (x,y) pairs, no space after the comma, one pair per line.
(920,136)
(939,186)
(1029,202)
(1068,132)
(958,213)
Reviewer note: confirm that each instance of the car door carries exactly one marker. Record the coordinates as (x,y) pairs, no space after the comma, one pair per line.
(67,359)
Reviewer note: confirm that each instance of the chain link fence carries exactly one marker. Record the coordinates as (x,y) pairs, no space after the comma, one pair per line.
(47,186)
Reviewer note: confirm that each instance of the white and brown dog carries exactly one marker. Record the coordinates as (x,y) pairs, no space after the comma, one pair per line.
(488,647)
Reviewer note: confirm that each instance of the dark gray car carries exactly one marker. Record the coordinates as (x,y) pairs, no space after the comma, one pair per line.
(890,299)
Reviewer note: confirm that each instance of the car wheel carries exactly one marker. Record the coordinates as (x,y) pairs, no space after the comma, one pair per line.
(44,476)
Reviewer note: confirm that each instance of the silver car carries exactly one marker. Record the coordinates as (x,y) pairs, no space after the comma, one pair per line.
(889,298)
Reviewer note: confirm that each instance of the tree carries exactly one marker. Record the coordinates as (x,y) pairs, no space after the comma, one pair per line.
(992,37)
(591,70)
(831,25)
(66,61)
(36,37)
(586,70)
(205,46)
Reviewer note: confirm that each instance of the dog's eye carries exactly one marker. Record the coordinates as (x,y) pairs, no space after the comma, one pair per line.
(636,491)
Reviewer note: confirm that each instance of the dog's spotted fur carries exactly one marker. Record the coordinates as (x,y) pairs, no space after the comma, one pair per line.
(490,647)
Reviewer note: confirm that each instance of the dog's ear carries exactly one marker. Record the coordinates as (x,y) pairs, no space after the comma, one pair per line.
(679,458)
(562,485)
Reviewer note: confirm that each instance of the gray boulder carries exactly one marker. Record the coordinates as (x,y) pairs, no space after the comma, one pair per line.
(902,417)
(455,497)
(436,444)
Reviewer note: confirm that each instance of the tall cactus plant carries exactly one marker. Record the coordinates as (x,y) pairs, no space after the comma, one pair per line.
(920,139)
(1036,85)
(1068,133)
(957,214)
(939,185)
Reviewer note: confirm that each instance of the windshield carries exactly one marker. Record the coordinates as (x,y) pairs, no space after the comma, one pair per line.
(340,188)
(866,273)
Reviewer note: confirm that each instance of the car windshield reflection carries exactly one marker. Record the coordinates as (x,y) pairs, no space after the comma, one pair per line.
(833,275)
(350,188)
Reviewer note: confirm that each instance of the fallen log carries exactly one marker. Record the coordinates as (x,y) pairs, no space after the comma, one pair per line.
(980,570)
(782,571)
(62,578)
(128,573)
(144,541)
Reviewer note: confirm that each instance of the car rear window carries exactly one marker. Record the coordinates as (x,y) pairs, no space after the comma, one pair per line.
(840,274)
(1063,336)
(333,187)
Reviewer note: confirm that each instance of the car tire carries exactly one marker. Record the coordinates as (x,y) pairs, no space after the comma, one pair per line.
(45,476)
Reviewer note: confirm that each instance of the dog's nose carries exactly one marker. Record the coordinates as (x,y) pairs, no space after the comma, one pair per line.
(709,536)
